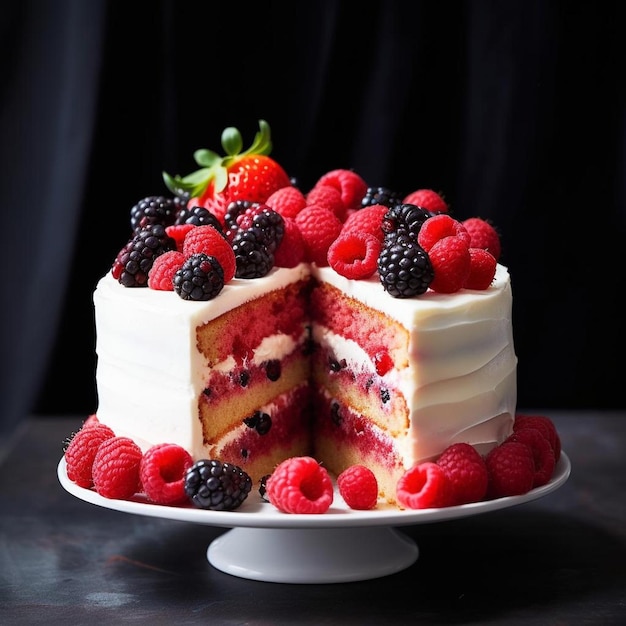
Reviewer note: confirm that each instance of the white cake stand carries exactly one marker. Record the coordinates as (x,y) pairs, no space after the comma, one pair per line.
(341,545)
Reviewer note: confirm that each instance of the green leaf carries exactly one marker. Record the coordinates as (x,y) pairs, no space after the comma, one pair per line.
(199,176)
(220,178)
(231,141)
(206,158)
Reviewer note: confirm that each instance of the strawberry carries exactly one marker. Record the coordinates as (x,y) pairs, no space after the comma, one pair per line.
(250,175)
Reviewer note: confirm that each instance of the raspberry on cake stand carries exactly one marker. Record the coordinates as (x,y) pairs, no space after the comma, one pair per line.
(342,545)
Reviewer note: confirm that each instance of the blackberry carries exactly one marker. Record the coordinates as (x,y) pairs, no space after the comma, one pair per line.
(135,259)
(252,256)
(273,369)
(261,422)
(153,210)
(404,269)
(404,218)
(212,484)
(381,195)
(263,487)
(198,216)
(233,211)
(201,277)
(270,227)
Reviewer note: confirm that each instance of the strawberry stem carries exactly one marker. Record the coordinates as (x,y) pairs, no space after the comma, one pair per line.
(213,167)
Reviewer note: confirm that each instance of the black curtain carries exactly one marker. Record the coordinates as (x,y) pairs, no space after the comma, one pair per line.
(514,110)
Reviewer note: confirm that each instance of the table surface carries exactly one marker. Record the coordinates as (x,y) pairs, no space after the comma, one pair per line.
(558,560)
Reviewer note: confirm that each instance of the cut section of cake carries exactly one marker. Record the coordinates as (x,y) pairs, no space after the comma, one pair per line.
(396,381)
(226,378)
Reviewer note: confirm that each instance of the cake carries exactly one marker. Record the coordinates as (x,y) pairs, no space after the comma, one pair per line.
(278,361)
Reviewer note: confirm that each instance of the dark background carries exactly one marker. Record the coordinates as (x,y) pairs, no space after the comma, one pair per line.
(515,111)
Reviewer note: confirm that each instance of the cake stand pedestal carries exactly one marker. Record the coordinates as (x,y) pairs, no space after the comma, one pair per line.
(312,555)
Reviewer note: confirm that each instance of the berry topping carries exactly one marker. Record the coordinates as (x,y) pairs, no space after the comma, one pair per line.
(210,241)
(290,252)
(427,199)
(135,259)
(511,470)
(351,186)
(165,266)
(483,235)
(450,260)
(319,228)
(116,468)
(358,487)
(300,485)
(81,452)
(162,472)
(195,215)
(482,269)
(178,232)
(201,277)
(250,175)
(288,201)
(329,198)
(153,210)
(354,254)
(404,269)
(367,220)
(253,258)
(404,219)
(424,486)
(382,196)
(211,484)
(466,471)
(438,227)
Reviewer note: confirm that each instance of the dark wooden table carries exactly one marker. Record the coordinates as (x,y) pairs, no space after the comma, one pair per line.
(557,560)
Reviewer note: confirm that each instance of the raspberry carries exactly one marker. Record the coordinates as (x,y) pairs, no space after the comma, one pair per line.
(116,468)
(427,199)
(450,259)
(482,269)
(288,201)
(319,228)
(208,240)
(162,272)
(543,454)
(483,235)
(329,198)
(424,486)
(91,420)
(162,473)
(358,487)
(438,227)
(366,220)
(355,254)
(300,485)
(466,471)
(351,186)
(81,453)
(544,425)
(290,252)
(178,232)
(511,470)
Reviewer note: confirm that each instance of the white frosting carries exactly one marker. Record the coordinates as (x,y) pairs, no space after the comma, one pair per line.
(460,386)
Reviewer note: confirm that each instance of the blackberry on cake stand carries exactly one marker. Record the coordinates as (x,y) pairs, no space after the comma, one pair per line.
(342,545)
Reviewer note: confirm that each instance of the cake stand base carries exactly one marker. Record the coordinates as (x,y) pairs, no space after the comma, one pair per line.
(306,555)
